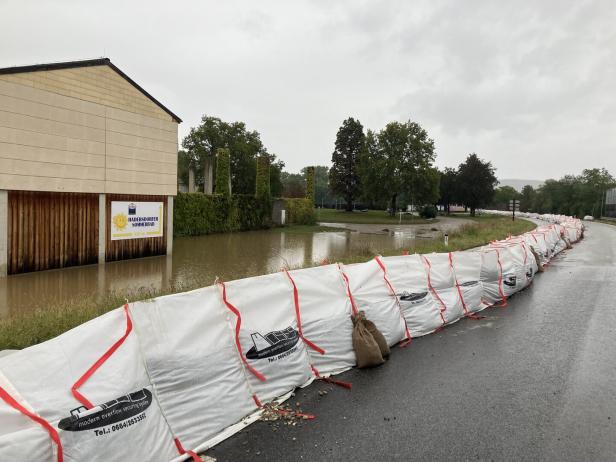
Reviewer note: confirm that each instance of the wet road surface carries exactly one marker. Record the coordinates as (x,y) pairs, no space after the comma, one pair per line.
(533,381)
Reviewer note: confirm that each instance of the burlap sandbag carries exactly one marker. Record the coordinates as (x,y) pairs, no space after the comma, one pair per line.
(367,351)
(378,337)
(540,268)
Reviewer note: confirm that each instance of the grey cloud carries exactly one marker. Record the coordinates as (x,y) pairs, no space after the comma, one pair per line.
(529,85)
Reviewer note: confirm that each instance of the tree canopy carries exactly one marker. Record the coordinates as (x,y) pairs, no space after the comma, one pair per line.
(477,182)
(399,160)
(244,146)
(344,177)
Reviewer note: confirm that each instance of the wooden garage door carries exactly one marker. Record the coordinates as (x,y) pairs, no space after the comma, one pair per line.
(51,230)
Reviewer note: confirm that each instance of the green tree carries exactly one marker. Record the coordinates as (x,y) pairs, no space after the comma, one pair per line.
(244,146)
(527,199)
(293,185)
(344,178)
(502,196)
(477,182)
(448,188)
(399,160)
(183,167)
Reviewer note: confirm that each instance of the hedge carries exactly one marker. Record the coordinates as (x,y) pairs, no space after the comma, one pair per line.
(300,211)
(196,214)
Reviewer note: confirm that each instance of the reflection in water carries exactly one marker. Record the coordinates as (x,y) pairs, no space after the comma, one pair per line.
(196,261)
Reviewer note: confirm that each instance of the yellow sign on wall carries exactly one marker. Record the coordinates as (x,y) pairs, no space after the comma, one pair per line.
(136,220)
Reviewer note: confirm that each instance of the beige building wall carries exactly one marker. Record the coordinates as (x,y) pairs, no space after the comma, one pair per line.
(84,130)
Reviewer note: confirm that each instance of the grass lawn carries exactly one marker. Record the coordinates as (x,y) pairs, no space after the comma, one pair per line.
(371,217)
(20,331)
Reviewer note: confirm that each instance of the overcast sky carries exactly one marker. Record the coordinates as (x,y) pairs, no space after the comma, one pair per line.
(529,85)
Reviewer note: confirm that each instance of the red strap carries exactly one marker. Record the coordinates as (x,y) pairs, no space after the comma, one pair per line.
(349,294)
(182,451)
(347,385)
(53,434)
(500,280)
(255,398)
(434,292)
(238,324)
(84,378)
(299,317)
(393,292)
(467,313)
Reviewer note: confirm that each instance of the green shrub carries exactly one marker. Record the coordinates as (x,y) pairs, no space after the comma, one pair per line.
(300,211)
(428,211)
(263,177)
(223,172)
(195,214)
(310,184)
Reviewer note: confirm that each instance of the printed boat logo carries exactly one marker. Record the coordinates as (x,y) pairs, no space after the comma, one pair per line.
(509,280)
(108,413)
(413,298)
(273,343)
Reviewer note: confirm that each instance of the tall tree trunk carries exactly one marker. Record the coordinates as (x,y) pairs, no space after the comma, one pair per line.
(447,209)
(392,205)
(472,211)
(349,205)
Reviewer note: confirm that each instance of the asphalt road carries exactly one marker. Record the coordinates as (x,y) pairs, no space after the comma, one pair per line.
(533,381)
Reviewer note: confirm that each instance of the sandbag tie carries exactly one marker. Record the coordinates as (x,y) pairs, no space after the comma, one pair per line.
(86,376)
(433,290)
(500,280)
(53,434)
(340,383)
(238,325)
(408,338)
(182,451)
(298,316)
(455,278)
(348,287)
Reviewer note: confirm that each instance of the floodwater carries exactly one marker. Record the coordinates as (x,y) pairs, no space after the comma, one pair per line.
(196,261)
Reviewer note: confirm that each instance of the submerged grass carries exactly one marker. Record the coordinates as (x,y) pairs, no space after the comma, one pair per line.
(22,330)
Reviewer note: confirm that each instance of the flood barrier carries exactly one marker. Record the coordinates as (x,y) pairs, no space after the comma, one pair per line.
(166,378)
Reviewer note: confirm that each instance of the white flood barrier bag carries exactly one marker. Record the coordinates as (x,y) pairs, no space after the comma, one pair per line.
(514,258)
(23,434)
(422,312)
(262,314)
(491,278)
(369,292)
(324,315)
(442,285)
(91,385)
(192,361)
(467,273)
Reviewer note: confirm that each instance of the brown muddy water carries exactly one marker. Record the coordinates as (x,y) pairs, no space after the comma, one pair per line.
(196,261)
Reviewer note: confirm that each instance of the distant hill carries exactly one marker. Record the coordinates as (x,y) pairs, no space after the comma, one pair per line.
(519,184)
